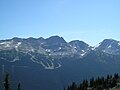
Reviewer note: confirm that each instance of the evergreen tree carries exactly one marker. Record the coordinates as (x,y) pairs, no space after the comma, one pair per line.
(99,83)
(116,76)
(6,82)
(74,86)
(19,86)
(80,87)
(91,82)
(68,88)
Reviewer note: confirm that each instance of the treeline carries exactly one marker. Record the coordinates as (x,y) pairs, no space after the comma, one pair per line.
(99,83)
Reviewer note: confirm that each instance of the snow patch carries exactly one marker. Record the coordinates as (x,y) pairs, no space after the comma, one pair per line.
(109,46)
(75,47)
(82,50)
(60,48)
(119,43)
(82,54)
(6,44)
(17,45)
(93,48)
(32,50)
(49,54)
(47,50)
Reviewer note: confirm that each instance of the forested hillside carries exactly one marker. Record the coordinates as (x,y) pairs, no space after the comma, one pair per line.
(100,83)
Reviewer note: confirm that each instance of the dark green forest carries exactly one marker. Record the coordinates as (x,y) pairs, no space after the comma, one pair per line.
(99,83)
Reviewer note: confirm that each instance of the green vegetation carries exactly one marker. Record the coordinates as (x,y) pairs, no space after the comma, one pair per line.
(100,83)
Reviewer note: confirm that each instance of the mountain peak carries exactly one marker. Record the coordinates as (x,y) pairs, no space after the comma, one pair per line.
(16,39)
(110,46)
(78,43)
(80,46)
(108,40)
(55,39)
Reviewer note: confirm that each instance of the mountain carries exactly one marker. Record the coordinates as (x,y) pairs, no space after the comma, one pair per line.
(109,46)
(54,47)
(53,63)
(81,47)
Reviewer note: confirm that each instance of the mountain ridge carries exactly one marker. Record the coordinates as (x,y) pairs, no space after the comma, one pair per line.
(54,48)
(56,61)
(42,38)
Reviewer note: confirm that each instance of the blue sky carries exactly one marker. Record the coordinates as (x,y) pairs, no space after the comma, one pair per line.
(87,20)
